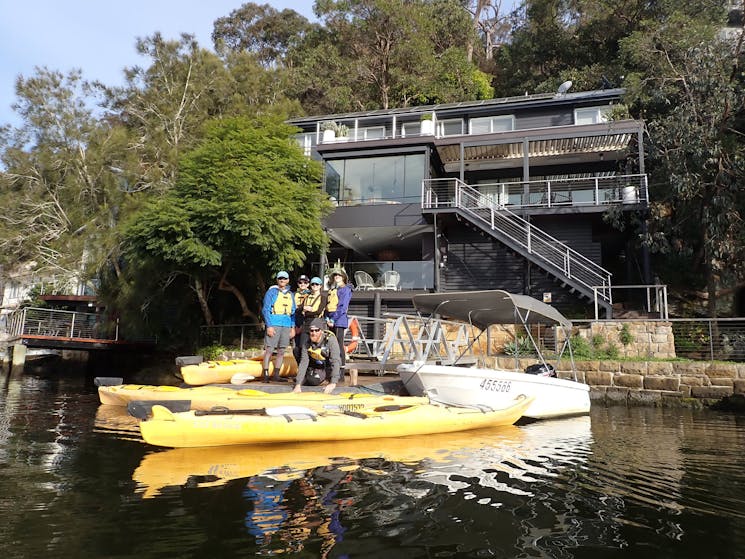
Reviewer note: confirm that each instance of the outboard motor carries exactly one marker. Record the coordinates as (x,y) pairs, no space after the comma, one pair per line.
(541,370)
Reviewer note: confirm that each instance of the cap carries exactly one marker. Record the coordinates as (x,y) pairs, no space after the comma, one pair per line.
(283,274)
(318,323)
(303,277)
(316,280)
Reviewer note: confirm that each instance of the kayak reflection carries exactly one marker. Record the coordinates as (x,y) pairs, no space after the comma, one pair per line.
(443,459)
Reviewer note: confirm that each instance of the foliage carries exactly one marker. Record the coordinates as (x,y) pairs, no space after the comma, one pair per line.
(519,347)
(696,91)
(247,202)
(212,352)
(596,348)
(625,335)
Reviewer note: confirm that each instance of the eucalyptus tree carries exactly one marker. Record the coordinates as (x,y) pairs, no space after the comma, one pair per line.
(58,197)
(556,40)
(383,53)
(692,92)
(164,105)
(264,31)
(247,203)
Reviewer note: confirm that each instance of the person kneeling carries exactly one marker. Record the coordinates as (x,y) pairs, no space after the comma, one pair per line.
(320,358)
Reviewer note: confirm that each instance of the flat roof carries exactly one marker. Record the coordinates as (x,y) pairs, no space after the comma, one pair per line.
(463,106)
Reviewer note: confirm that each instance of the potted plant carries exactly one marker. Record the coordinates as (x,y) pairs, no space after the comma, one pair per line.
(427,124)
(329,131)
(342,131)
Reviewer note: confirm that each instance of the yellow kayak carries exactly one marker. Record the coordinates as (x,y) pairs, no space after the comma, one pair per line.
(208,397)
(275,425)
(218,372)
(214,466)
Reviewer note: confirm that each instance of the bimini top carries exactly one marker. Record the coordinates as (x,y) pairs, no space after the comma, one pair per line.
(483,308)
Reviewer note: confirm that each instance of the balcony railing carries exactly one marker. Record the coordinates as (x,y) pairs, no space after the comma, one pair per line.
(414,274)
(592,191)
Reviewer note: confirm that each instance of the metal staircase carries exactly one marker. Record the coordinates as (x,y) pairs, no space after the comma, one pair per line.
(572,269)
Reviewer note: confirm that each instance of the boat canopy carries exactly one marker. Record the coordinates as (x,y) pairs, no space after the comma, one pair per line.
(483,308)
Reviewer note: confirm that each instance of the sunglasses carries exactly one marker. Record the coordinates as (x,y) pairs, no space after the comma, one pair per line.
(315,330)
(303,281)
(316,284)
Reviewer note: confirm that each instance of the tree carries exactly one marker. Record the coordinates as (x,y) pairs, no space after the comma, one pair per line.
(247,203)
(694,96)
(263,31)
(383,53)
(59,199)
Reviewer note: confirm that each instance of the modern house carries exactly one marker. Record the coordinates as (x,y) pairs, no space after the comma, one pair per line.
(511,193)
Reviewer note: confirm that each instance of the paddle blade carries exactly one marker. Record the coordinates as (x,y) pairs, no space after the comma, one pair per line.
(143,409)
(240,378)
(108,381)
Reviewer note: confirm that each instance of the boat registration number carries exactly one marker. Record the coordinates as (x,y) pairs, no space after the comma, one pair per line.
(493,385)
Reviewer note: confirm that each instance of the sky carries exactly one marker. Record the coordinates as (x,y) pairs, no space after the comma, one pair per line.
(98,36)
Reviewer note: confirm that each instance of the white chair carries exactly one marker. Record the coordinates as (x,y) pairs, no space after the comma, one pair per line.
(363,280)
(391,280)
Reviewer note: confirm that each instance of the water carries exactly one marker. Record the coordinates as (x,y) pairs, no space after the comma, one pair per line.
(77,482)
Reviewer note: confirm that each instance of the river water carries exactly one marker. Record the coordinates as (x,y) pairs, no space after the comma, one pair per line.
(76,481)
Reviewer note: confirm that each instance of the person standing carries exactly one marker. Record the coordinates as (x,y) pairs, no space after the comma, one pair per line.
(278,312)
(337,306)
(314,307)
(320,359)
(301,293)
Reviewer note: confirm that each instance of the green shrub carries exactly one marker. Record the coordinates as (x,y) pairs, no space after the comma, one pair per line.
(625,335)
(519,347)
(596,348)
(212,352)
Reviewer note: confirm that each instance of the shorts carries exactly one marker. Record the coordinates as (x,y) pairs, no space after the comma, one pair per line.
(280,340)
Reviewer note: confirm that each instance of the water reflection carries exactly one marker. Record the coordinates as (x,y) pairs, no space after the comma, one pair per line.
(648,482)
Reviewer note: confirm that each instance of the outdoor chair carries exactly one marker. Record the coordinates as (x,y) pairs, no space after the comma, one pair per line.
(363,281)
(391,280)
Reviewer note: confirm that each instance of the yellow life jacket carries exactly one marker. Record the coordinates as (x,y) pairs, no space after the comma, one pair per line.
(319,355)
(315,304)
(333,300)
(300,299)
(283,304)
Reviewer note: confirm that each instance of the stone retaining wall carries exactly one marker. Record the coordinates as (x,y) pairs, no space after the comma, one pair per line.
(650,382)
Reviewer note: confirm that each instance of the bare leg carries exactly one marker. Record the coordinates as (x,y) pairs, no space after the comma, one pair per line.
(278,363)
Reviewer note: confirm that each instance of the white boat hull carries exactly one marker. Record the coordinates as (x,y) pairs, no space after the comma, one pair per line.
(465,386)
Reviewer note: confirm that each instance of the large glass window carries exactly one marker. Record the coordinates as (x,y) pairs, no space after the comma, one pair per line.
(450,127)
(492,124)
(376,180)
(591,115)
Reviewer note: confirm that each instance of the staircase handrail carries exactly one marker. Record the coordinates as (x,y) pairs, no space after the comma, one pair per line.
(572,264)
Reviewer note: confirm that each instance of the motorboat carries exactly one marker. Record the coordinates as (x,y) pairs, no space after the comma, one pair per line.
(452,384)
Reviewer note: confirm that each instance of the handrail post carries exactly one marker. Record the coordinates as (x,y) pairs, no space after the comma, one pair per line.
(597,192)
(72,325)
(711,342)
(595,299)
(548,193)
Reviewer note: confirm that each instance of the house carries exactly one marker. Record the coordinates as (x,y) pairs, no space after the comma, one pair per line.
(510,193)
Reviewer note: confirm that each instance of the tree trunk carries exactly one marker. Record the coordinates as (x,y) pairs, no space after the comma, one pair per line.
(199,289)
(225,285)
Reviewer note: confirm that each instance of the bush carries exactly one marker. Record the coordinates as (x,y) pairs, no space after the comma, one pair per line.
(212,352)
(593,349)
(519,347)
(625,335)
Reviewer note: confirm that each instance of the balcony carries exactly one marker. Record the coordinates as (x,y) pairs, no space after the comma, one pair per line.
(413,274)
(574,192)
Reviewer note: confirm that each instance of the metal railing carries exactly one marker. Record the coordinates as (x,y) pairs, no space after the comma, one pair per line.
(712,339)
(562,260)
(570,192)
(58,324)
